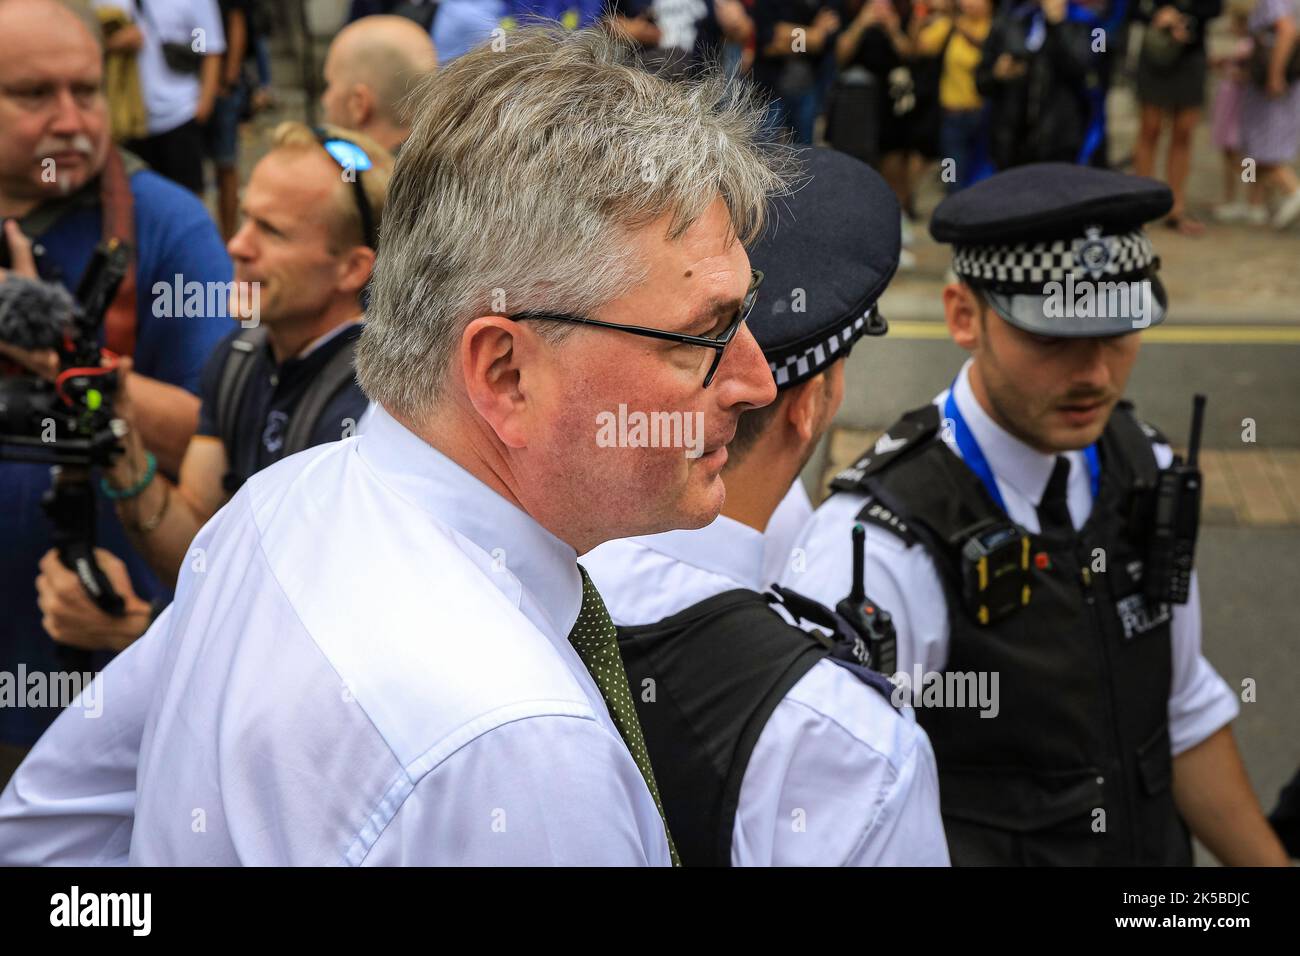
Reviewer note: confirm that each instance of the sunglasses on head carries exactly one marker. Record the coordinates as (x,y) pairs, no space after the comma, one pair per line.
(352,158)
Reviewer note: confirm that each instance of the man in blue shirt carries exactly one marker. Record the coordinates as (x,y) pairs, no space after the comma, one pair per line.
(57,170)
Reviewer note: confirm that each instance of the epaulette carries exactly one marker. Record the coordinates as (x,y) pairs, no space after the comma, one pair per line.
(1156,435)
(911,431)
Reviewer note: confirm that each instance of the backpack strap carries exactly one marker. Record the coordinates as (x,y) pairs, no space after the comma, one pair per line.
(235,374)
(337,373)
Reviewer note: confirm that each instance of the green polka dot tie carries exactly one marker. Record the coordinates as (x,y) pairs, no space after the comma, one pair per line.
(595,639)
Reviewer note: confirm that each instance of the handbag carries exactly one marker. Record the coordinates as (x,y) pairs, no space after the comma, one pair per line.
(1261,57)
(1159,48)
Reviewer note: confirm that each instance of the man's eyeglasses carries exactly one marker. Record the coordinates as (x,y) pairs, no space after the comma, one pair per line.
(718,344)
(352,158)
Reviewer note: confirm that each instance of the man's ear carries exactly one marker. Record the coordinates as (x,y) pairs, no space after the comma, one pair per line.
(361,105)
(493,352)
(355,270)
(961,310)
(803,407)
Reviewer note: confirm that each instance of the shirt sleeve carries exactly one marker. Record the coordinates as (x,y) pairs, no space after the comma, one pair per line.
(838,777)
(544,791)
(72,802)
(931,38)
(1200,701)
(207,17)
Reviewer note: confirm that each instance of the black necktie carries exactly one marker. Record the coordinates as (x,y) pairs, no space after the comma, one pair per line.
(1053,507)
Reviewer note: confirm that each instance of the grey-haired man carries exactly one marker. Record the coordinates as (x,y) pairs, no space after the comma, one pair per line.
(413,669)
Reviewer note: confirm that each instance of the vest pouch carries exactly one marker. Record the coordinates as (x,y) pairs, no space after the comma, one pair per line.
(999,817)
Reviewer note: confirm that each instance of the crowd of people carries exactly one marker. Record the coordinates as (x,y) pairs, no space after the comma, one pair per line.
(959,87)
(313,337)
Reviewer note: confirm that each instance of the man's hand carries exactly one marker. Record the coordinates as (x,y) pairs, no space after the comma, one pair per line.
(826,22)
(42,362)
(125,39)
(1007,67)
(733,20)
(1166,18)
(72,618)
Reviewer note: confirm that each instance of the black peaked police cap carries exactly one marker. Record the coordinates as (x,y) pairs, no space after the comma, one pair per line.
(1059,250)
(827,254)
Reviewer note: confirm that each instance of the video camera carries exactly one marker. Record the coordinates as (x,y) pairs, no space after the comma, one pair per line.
(70,423)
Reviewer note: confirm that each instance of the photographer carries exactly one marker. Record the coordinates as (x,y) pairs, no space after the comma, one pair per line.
(68,188)
(305,250)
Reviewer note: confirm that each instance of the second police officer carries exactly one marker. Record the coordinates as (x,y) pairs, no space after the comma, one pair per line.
(1010,525)
(771,747)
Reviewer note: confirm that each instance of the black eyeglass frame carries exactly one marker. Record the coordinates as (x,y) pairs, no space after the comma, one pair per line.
(358,189)
(719,344)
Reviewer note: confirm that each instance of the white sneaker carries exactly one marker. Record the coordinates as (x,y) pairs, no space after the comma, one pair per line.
(906,260)
(905,231)
(1287,211)
(1231,212)
(1255,215)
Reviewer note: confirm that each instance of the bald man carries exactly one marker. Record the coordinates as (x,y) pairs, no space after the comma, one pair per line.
(371,66)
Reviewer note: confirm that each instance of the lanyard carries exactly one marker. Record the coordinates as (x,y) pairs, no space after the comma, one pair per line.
(974,456)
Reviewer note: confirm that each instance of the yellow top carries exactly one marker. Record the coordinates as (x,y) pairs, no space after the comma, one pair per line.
(957,81)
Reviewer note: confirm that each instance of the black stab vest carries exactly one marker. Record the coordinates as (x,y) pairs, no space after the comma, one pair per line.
(705,682)
(1075,769)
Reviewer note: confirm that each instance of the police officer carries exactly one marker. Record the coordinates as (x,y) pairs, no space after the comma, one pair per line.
(772,747)
(1010,524)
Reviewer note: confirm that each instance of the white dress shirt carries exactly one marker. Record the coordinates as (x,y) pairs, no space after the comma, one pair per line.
(905,581)
(783,530)
(369,666)
(170,98)
(857,777)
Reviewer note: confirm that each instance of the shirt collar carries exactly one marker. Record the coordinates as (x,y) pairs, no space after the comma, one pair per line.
(725,547)
(535,569)
(1013,462)
(320,340)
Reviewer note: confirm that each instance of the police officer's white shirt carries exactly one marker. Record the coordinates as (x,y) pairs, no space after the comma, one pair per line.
(783,529)
(837,777)
(905,581)
(373,667)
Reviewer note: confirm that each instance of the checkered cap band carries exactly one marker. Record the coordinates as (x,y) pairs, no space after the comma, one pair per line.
(1027,267)
(793,369)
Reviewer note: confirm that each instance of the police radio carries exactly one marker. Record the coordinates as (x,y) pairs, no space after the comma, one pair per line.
(1171,548)
(869,620)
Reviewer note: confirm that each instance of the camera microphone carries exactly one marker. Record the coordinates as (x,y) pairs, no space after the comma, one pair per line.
(35,314)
